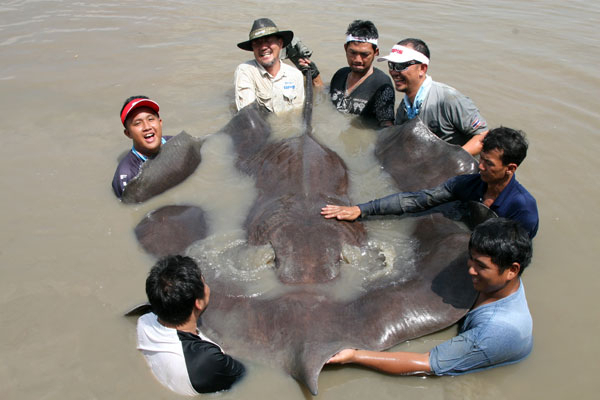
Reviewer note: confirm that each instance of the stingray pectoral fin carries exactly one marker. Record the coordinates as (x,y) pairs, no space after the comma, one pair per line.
(139,310)
(171,229)
(177,159)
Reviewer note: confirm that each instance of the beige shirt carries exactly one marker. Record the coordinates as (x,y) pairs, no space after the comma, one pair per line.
(279,93)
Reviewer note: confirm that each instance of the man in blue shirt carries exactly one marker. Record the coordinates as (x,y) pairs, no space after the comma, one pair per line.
(139,116)
(495,186)
(498,329)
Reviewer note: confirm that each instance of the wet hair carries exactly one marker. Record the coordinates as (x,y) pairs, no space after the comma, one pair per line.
(363,29)
(172,287)
(511,142)
(417,44)
(505,241)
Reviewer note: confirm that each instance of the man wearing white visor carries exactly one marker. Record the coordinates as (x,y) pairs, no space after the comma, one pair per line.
(448,113)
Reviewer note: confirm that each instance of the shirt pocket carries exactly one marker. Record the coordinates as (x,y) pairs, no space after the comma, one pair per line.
(289,92)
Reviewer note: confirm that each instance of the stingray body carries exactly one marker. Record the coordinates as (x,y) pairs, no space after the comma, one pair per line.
(300,326)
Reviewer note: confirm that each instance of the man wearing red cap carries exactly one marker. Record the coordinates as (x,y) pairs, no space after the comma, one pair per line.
(139,116)
(274,85)
(448,113)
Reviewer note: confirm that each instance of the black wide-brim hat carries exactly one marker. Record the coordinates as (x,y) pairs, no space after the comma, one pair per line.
(265,27)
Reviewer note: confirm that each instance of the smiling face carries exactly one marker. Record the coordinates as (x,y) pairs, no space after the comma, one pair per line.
(266,50)
(360,56)
(144,127)
(486,275)
(410,79)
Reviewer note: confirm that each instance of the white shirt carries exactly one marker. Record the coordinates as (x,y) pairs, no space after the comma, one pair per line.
(276,93)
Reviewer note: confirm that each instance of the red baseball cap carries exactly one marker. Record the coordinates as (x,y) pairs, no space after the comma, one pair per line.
(137,103)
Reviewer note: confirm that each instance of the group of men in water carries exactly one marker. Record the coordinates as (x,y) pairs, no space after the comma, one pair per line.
(497,330)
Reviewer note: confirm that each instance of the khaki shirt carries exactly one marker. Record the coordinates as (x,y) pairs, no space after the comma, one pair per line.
(280,93)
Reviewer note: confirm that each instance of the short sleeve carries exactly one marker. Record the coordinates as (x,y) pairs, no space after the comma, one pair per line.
(457,355)
(244,87)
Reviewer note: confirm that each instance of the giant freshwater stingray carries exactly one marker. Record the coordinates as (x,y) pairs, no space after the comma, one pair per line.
(335,289)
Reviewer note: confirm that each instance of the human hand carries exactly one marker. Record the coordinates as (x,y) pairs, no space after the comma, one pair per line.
(342,357)
(341,212)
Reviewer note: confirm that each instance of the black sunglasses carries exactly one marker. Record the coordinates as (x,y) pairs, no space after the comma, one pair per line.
(398,67)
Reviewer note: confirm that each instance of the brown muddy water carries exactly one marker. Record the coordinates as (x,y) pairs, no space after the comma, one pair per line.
(69,262)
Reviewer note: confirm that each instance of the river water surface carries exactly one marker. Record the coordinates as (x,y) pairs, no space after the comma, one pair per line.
(70,264)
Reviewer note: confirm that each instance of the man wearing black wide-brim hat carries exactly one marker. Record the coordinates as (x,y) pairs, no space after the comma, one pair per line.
(273,84)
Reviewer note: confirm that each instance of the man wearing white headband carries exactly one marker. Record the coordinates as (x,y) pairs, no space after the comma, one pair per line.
(448,113)
(360,88)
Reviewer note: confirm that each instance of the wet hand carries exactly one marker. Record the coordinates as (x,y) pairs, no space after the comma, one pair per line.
(341,212)
(342,357)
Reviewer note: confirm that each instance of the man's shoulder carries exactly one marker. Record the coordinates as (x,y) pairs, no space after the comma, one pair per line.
(291,71)
(443,91)
(249,67)
(126,170)
(521,194)
(379,75)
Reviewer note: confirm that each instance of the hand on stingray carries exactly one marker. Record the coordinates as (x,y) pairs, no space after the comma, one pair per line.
(342,357)
(346,213)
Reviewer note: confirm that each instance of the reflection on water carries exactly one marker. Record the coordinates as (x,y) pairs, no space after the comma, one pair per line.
(70,262)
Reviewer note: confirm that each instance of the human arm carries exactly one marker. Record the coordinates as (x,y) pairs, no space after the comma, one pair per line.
(475,144)
(383,105)
(245,92)
(209,369)
(398,363)
(398,203)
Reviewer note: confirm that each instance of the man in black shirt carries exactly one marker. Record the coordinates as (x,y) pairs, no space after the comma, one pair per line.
(361,88)
(180,356)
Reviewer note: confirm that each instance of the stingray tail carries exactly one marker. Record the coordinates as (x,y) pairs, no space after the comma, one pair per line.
(308,102)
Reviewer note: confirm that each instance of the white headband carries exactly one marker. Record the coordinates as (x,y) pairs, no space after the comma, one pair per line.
(400,54)
(351,38)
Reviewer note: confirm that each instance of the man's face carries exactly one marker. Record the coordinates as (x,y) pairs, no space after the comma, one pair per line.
(491,168)
(409,80)
(360,56)
(485,275)
(144,127)
(266,50)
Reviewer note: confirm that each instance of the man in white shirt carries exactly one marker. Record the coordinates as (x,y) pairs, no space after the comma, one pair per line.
(273,84)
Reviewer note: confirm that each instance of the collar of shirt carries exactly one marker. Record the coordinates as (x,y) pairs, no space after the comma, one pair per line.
(506,193)
(413,110)
(140,155)
(266,74)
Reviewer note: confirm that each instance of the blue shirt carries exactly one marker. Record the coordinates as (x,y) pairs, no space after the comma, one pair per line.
(492,335)
(514,202)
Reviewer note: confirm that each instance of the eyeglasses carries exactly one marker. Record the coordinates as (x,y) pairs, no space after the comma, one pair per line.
(398,67)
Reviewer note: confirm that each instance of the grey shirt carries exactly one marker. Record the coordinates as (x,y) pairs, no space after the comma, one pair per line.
(448,113)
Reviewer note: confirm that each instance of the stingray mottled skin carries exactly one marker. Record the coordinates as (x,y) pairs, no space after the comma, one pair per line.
(176,160)
(304,323)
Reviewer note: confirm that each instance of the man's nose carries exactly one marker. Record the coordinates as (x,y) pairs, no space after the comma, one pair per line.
(472,271)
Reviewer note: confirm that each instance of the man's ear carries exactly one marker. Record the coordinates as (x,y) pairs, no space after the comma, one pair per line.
(200,304)
(513,271)
(511,167)
(376,52)
(126,132)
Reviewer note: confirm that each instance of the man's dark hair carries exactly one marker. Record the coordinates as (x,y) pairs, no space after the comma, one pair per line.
(512,143)
(172,287)
(363,29)
(417,44)
(505,241)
